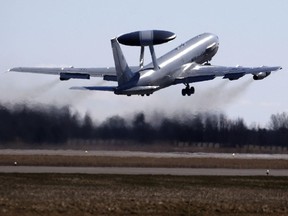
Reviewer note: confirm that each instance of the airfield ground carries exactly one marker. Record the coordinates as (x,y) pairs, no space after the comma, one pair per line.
(137,161)
(86,194)
(79,194)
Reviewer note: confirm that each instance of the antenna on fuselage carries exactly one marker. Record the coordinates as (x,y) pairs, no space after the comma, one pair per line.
(141,61)
(146,38)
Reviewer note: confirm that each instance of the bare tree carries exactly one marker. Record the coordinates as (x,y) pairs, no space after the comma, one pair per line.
(278,121)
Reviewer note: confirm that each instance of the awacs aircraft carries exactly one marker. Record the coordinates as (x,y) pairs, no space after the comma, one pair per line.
(186,64)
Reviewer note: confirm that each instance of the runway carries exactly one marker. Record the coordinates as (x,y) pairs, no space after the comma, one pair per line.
(143,171)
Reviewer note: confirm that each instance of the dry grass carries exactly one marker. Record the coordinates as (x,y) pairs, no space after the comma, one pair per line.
(73,194)
(108,161)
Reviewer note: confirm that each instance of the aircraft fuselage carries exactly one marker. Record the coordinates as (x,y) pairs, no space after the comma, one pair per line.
(199,49)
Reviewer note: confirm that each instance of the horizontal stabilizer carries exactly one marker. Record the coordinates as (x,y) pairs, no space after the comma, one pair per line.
(95,88)
(137,90)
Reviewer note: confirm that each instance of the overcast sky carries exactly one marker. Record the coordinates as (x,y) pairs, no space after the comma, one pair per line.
(78,33)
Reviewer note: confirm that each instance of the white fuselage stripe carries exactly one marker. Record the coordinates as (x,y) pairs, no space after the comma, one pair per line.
(184,52)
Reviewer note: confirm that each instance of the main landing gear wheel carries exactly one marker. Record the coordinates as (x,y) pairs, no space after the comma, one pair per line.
(188,91)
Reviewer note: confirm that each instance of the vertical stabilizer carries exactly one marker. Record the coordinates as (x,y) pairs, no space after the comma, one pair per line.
(124,74)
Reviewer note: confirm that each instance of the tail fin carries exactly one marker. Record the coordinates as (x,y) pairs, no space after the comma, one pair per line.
(124,74)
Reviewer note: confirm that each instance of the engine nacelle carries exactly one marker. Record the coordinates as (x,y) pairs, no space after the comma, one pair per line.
(67,76)
(261,75)
(146,38)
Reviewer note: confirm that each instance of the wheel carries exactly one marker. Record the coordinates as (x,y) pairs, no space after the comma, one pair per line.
(183,92)
(192,90)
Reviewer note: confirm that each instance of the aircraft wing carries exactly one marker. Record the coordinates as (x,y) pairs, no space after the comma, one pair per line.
(196,73)
(67,73)
(94,72)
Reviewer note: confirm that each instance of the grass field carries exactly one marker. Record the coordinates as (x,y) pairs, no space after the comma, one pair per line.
(75,194)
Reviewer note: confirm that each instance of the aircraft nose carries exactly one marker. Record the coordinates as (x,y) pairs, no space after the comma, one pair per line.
(217,39)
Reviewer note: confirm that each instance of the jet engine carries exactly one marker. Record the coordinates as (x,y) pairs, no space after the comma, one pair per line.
(261,75)
(67,76)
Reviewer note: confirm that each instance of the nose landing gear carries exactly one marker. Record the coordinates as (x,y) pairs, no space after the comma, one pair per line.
(188,91)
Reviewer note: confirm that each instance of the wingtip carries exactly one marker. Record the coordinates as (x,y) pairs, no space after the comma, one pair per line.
(81,88)
(77,88)
(14,69)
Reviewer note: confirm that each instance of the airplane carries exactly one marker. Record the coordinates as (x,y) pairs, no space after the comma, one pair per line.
(186,64)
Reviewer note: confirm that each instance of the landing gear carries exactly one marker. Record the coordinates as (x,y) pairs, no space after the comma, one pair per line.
(146,94)
(188,91)
(142,95)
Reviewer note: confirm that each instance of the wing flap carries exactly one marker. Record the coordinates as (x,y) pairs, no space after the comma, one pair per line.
(193,79)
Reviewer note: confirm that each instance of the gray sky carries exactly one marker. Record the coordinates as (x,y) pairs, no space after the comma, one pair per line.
(78,33)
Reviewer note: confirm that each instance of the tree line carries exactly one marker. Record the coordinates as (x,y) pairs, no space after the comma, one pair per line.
(54,125)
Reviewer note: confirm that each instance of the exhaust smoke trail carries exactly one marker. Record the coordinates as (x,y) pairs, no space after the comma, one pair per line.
(207,99)
(221,95)
(38,91)
(22,91)
(74,97)
(237,91)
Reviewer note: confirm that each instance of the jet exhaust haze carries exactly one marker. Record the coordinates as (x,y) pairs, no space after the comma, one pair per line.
(38,91)
(222,95)
(213,98)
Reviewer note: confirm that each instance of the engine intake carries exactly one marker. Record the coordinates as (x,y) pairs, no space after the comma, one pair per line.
(261,75)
